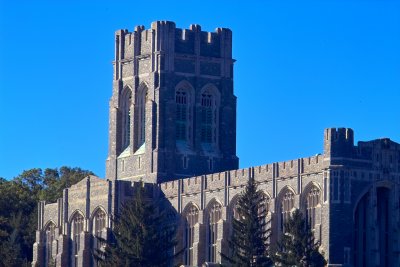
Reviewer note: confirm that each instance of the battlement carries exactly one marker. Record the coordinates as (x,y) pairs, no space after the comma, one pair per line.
(238,178)
(163,36)
(338,142)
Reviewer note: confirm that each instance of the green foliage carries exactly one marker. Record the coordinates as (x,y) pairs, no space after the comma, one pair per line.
(249,236)
(141,236)
(18,209)
(297,246)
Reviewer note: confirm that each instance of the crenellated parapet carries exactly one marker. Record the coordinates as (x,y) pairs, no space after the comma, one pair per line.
(163,47)
(267,173)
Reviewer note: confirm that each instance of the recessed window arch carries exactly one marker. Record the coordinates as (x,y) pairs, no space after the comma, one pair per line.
(125,111)
(99,223)
(140,110)
(311,203)
(233,212)
(49,235)
(214,215)
(77,227)
(285,206)
(209,103)
(264,210)
(184,99)
(191,220)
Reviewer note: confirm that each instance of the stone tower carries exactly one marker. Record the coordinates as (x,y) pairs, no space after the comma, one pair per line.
(172,110)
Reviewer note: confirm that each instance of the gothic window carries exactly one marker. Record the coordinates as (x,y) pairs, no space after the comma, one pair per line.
(49,238)
(99,224)
(181,99)
(76,229)
(286,206)
(141,99)
(234,214)
(312,202)
(184,112)
(263,210)
(191,220)
(209,116)
(214,216)
(125,107)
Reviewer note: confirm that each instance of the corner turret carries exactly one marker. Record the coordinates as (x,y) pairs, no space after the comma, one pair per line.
(338,142)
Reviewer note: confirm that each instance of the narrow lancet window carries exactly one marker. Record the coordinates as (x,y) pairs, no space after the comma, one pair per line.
(77,229)
(181,99)
(313,200)
(49,238)
(125,107)
(209,121)
(191,220)
(99,224)
(207,117)
(214,216)
(287,204)
(141,100)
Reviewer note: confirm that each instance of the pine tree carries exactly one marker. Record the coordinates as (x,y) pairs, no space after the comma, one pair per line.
(248,242)
(141,236)
(297,246)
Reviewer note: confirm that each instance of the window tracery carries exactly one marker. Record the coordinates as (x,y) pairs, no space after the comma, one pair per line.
(191,220)
(214,216)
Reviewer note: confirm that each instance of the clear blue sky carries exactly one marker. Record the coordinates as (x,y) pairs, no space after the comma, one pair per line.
(301,66)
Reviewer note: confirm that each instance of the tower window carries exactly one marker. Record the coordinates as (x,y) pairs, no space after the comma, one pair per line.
(125,107)
(207,117)
(184,96)
(181,99)
(141,99)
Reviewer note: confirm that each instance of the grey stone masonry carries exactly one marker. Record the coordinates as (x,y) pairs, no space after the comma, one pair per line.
(160,61)
(173,126)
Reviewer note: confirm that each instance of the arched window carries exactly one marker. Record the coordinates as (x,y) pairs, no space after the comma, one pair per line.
(76,229)
(181,99)
(141,99)
(209,116)
(286,207)
(214,216)
(125,107)
(49,238)
(264,212)
(99,224)
(191,220)
(233,212)
(312,201)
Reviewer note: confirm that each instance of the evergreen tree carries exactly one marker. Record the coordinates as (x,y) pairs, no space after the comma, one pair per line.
(141,236)
(297,246)
(248,242)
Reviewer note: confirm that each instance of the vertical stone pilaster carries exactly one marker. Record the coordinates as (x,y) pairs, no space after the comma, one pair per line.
(62,257)
(84,251)
(372,224)
(38,253)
